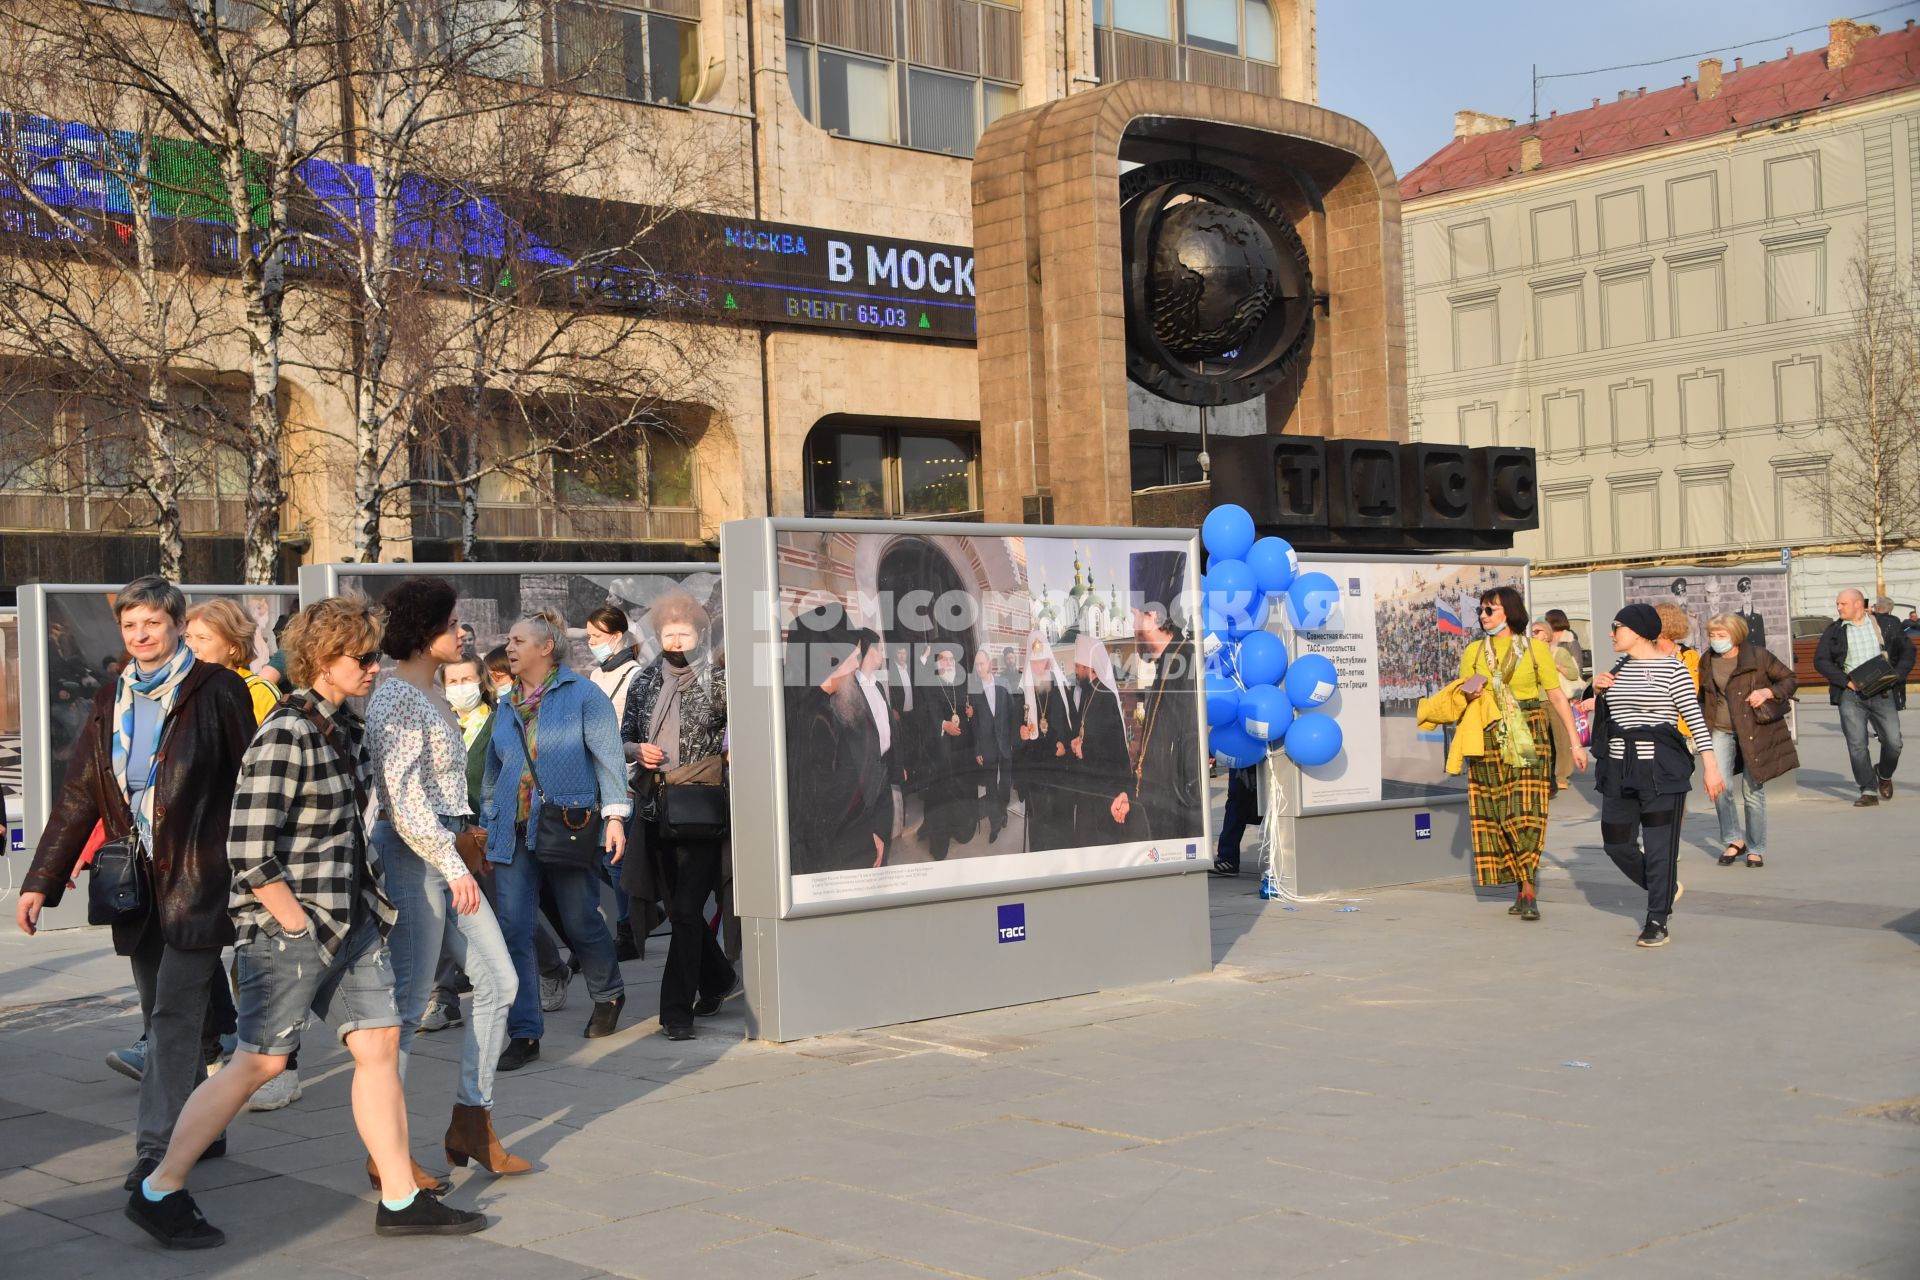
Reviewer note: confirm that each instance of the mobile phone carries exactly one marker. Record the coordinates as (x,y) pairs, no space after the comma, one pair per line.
(1472,685)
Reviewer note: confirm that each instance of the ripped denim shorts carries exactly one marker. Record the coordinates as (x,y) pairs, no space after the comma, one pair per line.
(284,981)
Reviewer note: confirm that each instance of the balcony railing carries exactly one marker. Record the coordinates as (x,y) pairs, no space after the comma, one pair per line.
(1121,55)
(42,512)
(525,521)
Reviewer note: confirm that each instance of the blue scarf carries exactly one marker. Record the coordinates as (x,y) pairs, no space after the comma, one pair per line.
(159,686)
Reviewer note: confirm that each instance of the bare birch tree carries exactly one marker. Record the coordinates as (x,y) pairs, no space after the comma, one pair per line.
(460,319)
(1872,489)
(100,310)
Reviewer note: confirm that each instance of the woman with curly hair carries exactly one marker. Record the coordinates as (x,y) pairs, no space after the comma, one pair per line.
(310,906)
(420,768)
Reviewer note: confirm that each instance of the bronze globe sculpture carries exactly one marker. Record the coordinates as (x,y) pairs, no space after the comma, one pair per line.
(1219,292)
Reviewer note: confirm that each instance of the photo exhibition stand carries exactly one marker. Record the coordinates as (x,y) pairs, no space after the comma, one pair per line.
(929,953)
(1382,812)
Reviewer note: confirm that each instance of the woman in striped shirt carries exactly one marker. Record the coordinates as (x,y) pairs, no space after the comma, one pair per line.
(1643,766)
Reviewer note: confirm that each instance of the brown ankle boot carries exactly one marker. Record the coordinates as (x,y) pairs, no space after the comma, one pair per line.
(471,1137)
(421,1178)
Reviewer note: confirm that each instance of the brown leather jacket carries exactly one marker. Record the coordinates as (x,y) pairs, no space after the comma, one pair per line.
(199,762)
(1766,748)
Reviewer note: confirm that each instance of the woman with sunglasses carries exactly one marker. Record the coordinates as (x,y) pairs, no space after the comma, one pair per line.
(1510,783)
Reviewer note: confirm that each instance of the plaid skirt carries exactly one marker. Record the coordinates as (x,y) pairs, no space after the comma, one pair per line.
(1509,809)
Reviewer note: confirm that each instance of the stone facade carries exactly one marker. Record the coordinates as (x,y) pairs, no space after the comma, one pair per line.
(1660,322)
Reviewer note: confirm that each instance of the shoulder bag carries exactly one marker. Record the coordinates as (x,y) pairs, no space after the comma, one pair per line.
(567,837)
(1874,676)
(693,803)
(119,887)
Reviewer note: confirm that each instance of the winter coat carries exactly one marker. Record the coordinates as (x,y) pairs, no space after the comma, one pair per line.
(1765,746)
(198,764)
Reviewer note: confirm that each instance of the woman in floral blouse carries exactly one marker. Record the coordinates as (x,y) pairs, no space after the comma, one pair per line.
(420,770)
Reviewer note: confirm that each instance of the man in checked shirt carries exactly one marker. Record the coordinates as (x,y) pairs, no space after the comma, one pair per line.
(312,919)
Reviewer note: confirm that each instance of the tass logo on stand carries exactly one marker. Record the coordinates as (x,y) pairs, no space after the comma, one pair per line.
(1013,922)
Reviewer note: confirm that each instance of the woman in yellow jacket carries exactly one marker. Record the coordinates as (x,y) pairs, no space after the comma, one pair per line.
(1511,781)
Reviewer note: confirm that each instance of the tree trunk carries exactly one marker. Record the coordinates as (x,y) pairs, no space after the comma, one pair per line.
(156,415)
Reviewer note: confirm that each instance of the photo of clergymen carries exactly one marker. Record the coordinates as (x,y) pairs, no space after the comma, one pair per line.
(952,697)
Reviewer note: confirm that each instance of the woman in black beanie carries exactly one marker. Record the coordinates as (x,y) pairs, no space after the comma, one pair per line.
(1642,765)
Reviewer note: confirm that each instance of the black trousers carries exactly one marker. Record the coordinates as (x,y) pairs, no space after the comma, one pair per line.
(1243,807)
(696,966)
(1642,836)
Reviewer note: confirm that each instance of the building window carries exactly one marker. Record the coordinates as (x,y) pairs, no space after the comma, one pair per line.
(1142,17)
(1569,520)
(1565,416)
(1796,279)
(1632,403)
(1697,294)
(1802,497)
(1693,205)
(1706,505)
(1623,220)
(861,468)
(931,80)
(620,52)
(1471,245)
(1559,319)
(1626,307)
(1158,463)
(1636,512)
(1555,234)
(1476,333)
(1703,405)
(1796,392)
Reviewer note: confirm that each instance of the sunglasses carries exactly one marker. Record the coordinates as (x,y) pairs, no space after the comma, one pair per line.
(371,658)
(1489,608)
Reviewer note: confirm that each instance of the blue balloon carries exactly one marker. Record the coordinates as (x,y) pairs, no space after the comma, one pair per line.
(1234,748)
(1266,713)
(1313,739)
(1313,597)
(1227,531)
(1275,564)
(1223,701)
(1311,680)
(1263,659)
(1229,586)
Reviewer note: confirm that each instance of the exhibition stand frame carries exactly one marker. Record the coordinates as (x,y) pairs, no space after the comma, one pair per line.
(1382,812)
(859,948)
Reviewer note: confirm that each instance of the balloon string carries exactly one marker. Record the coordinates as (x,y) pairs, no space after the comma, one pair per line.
(1279,853)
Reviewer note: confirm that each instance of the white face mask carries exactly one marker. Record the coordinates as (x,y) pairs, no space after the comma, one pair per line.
(1495,628)
(1719,646)
(601,652)
(503,689)
(464,697)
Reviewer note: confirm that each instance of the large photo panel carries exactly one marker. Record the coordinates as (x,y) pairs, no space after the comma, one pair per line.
(1757,595)
(970,711)
(69,649)
(1395,631)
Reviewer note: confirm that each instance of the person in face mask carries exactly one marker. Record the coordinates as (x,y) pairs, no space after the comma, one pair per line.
(611,643)
(1745,691)
(1509,784)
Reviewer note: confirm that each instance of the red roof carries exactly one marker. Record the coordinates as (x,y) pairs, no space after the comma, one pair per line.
(1760,94)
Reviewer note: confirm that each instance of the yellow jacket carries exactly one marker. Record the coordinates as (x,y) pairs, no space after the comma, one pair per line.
(1470,718)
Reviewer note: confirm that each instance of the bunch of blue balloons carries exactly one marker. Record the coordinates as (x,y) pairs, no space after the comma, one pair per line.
(1257,700)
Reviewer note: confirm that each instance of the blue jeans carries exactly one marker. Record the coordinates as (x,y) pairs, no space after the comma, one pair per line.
(611,874)
(516,896)
(284,981)
(1856,713)
(427,927)
(1743,805)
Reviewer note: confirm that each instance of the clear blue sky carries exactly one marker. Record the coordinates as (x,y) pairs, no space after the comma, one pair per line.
(1403,67)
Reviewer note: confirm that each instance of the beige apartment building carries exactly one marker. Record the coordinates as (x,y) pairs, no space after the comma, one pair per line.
(849,126)
(1649,291)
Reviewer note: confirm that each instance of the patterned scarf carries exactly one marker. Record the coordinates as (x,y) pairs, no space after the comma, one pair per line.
(1517,747)
(526,707)
(160,687)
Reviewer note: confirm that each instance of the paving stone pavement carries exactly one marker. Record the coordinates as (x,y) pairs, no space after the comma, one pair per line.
(1423,1088)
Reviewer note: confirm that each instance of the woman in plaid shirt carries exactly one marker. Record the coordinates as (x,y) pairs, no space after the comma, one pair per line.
(312,918)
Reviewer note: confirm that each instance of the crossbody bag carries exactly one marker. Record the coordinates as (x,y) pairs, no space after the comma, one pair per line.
(567,836)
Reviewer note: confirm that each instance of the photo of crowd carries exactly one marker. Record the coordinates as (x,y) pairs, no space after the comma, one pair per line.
(1425,616)
(950,698)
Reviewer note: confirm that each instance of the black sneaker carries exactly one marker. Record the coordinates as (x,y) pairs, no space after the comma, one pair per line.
(625,945)
(606,1016)
(517,1054)
(678,1031)
(141,1168)
(426,1216)
(1654,935)
(174,1220)
(707,1006)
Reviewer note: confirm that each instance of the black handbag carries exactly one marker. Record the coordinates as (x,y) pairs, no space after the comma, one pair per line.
(691,806)
(117,889)
(1874,676)
(567,837)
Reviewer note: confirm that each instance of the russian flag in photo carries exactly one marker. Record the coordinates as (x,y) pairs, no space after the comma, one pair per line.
(1447,620)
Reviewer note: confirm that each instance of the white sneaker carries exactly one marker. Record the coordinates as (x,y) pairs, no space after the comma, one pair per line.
(553,993)
(276,1093)
(441,1014)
